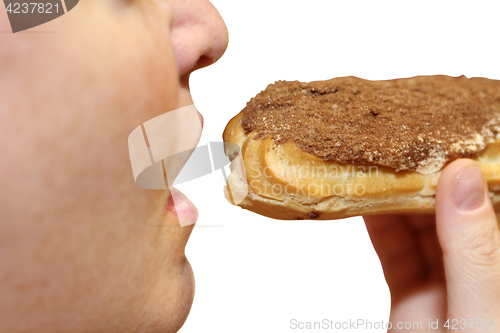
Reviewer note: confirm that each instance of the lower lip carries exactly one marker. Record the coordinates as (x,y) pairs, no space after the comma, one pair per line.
(179,205)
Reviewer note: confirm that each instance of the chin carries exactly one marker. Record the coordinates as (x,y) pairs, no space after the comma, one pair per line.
(185,301)
(171,308)
(189,288)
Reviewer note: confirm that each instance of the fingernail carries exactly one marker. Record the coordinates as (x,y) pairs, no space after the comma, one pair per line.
(468,188)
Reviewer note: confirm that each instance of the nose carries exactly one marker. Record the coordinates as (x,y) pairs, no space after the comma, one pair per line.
(199,35)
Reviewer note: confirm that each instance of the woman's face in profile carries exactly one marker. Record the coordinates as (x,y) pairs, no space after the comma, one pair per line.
(82,247)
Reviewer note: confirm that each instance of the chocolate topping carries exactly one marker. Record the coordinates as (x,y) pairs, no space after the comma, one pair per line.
(398,123)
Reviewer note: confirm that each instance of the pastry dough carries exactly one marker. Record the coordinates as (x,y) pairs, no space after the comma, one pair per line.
(280,179)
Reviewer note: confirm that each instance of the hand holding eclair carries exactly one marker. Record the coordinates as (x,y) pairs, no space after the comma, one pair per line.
(444,267)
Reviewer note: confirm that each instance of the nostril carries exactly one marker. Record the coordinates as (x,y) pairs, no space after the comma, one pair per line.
(203,61)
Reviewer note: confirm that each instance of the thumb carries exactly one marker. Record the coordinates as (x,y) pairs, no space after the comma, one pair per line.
(470,240)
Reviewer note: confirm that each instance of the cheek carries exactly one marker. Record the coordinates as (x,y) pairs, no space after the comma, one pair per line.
(127,65)
(144,84)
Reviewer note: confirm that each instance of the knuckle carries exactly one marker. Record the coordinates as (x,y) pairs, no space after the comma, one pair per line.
(483,247)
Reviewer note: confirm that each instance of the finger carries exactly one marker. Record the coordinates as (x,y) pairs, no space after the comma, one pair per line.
(394,235)
(398,250)
(425,228)
(389,234)
(410,257)
(470,240)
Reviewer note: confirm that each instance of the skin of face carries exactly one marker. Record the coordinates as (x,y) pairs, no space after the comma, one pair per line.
(81,249)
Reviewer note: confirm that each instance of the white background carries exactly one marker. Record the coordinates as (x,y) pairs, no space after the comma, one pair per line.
(255,274)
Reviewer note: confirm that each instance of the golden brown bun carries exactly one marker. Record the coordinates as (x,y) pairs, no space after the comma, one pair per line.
(282,181)
(357,189)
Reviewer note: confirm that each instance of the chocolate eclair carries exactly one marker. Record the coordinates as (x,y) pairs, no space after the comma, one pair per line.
(347,146)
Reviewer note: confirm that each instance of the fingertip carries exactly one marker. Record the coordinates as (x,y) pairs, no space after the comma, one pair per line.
(463,208)
(447,178)
(469,237)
